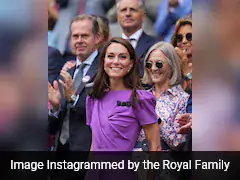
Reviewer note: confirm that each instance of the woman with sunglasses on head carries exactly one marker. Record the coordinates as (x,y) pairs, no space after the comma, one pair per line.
(162,69)
(182,41)
(117,108)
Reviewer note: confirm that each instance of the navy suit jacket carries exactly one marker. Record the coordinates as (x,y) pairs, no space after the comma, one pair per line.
(189,105)
(144,43)
(55,63)
(80,134)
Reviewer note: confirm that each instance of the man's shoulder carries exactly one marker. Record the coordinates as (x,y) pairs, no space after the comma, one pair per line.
(148,38)
(52,50)
(95,60)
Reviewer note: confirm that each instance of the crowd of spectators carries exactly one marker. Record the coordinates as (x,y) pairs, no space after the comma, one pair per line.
(129,90)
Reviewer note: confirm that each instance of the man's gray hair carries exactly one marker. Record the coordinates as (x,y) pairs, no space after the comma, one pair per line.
(141,4)
(81,17)
(173,61)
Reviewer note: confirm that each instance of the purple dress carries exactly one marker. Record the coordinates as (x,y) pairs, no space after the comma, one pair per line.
(114,124)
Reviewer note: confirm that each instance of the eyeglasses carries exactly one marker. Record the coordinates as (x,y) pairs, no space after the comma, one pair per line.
(158,64)
(188,37)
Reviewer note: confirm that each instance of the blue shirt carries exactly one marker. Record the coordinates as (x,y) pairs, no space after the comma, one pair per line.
(51,40)
(165,22)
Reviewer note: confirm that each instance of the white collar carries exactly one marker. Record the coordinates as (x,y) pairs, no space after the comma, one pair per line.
(135,35)
(89,60)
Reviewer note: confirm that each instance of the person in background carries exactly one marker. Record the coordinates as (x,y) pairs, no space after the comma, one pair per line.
(99,7)
(131,15)
(67,117)
(53,16)
(162,69)
(83,41)
(117,108)
(168,13)
(55,64)
(104,31)
(182,40)
(68,9)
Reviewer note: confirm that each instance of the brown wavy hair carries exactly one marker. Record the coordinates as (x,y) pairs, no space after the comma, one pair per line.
(131,80)
(181,22)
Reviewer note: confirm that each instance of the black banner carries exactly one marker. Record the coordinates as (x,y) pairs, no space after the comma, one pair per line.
(120,165)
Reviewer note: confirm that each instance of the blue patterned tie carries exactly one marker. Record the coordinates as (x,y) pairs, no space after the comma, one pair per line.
(79,76)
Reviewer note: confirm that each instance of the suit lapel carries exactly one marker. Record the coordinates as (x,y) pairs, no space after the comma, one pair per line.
(141,45)
(92,71)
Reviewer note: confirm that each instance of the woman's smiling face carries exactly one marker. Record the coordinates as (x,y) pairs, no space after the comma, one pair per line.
(159,75)
(117,62)
(184,38)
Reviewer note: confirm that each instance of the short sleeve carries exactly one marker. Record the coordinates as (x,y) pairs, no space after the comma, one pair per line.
(145,110)
(89,107)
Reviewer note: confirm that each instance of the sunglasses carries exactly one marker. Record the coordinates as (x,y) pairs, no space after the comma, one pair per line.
(158,64)
(188,37)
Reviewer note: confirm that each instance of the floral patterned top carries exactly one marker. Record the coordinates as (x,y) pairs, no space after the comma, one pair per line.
(169,105)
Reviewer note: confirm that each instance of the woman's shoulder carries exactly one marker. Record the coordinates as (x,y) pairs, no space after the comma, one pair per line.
(180,92)
(145,95)
(90,99)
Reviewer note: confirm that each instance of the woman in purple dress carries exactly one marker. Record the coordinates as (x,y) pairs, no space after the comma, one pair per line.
(117,108)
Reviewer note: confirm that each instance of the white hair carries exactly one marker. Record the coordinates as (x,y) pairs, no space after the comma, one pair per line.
(140,3)
(173,61)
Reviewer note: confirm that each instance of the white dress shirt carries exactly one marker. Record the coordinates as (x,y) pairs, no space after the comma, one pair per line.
(135,36)
(88,63)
